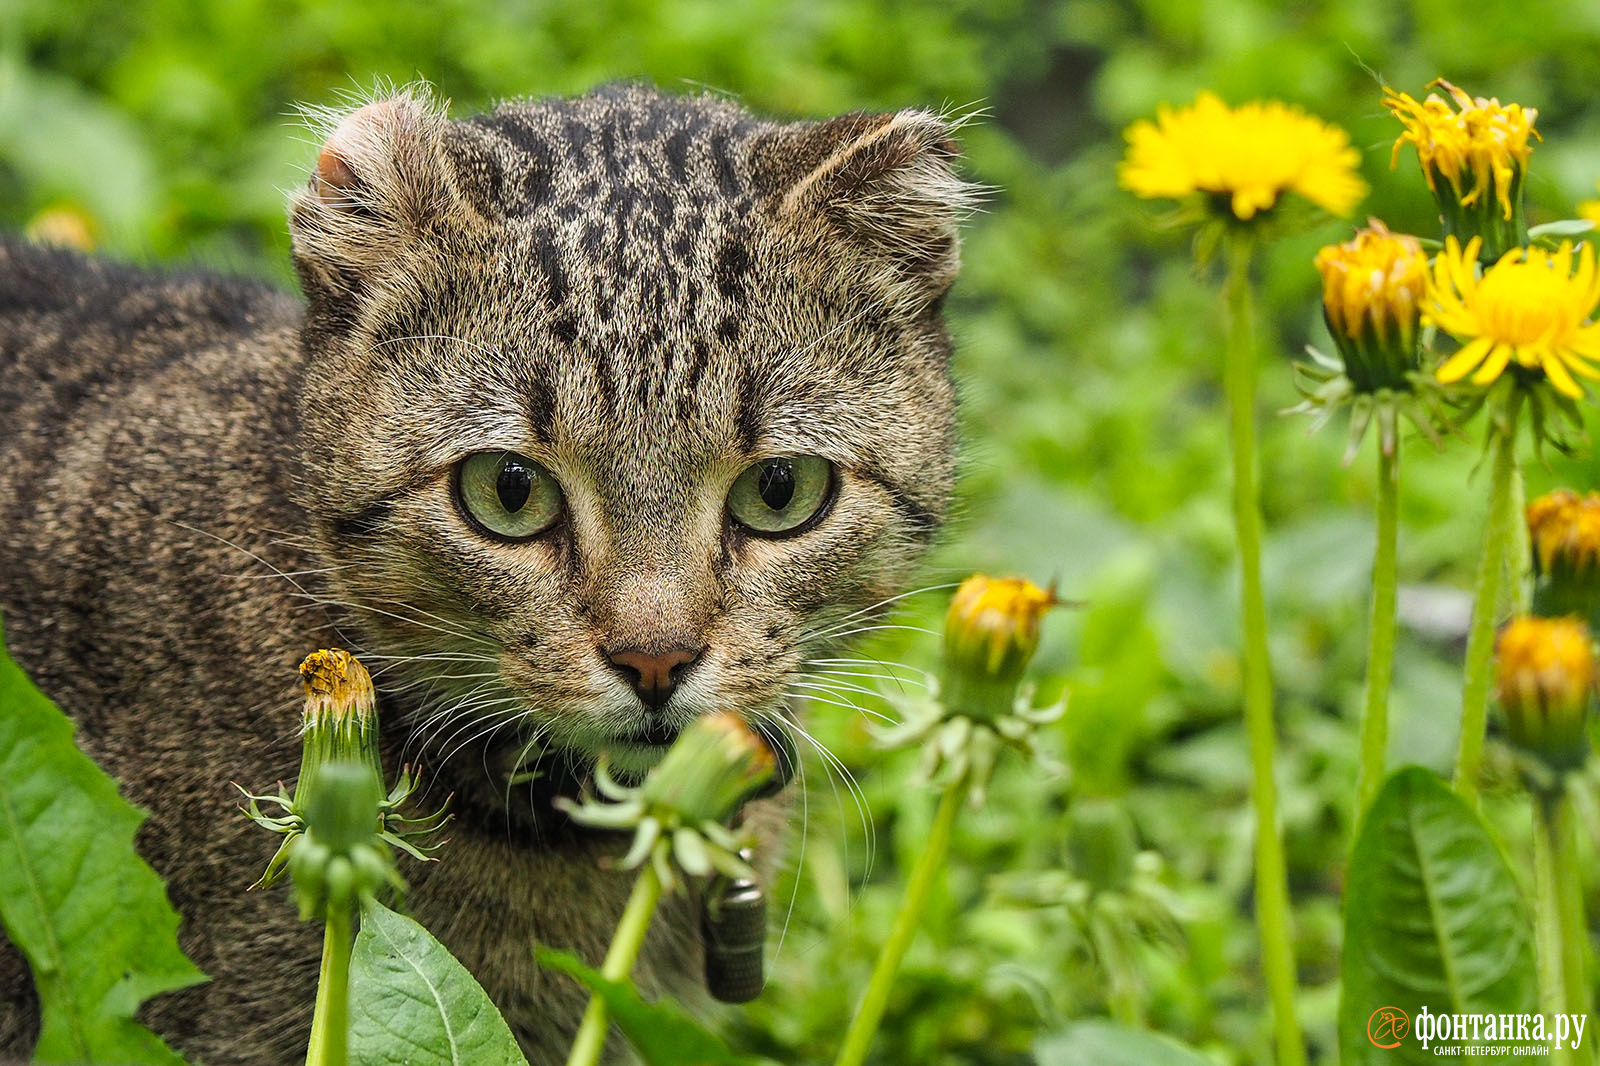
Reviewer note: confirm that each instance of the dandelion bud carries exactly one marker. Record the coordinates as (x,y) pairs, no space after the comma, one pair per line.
(1372,289)
(712,768)
(990,634)
(340,720)
(1475,158)
(1564,532)
(342,807)
(1545,679)
(1102,843)
(340,855)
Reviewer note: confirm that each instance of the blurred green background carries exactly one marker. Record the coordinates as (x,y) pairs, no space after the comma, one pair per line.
(1094,447)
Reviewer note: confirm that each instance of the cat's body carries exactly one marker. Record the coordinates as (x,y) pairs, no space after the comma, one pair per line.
(627,302)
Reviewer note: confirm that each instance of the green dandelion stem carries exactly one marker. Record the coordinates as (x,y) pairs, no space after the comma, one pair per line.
(1569,907)
(330,1022)
(1547,914)
(1497,540)
(618,964)
(1380,635)
(1518,597)
(858,1038)
(1272,886)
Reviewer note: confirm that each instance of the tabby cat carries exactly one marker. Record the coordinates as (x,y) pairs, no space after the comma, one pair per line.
(598,414)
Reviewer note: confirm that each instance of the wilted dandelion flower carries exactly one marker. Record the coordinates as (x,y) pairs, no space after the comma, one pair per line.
(1529,309)
(1544,681)
(337,822)
(1372,289)
(1474,157)
(340,716)
(1245,158)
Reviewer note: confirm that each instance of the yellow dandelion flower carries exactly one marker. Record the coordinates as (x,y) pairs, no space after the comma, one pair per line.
(1485,139)
(1251,155)
(1372,289)
(340,716)
(1474,157)
(1530,308)
(63,227)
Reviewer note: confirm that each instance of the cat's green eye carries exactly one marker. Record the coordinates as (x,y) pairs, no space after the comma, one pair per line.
(779,497)
(508,495)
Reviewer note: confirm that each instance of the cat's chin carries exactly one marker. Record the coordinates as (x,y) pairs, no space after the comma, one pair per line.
(629,760)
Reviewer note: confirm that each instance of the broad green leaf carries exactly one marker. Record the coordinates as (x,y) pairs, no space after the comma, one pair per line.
(75,897)
(659,1032)
(1433,919)
(1105,1043)
(413,1004)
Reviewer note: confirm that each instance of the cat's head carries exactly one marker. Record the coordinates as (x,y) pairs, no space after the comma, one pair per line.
(620,408)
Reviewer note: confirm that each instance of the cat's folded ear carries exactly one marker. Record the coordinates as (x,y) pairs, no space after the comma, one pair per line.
(884,187)
(380,185)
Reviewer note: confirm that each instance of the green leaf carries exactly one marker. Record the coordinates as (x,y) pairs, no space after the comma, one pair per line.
(1105,1043)
(662,1034)
(1433,919)
(412,1003)
(75,897)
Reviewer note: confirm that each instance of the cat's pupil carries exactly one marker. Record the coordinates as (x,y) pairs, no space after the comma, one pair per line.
(776,484)
(513,486)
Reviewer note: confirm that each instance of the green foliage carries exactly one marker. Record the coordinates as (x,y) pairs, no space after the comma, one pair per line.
(91,917)
(1433,918)
(661,1033)
(413,1004)
(1097,1043)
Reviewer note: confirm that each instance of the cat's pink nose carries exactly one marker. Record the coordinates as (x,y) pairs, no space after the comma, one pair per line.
(654,674)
